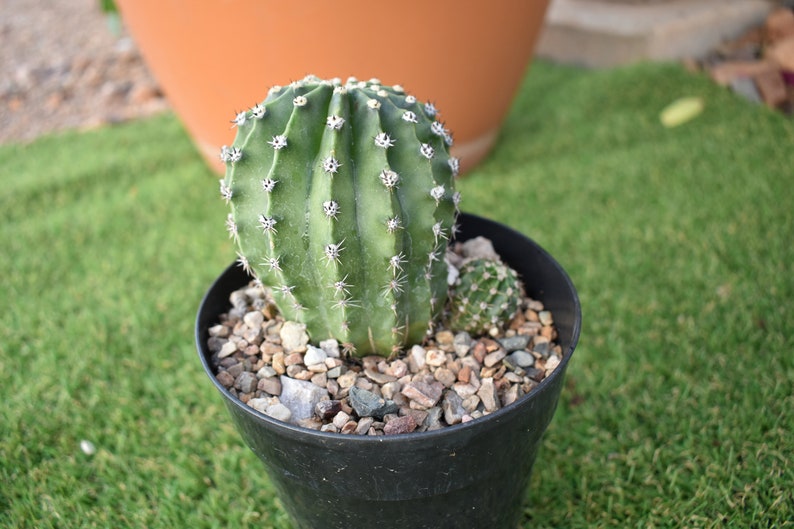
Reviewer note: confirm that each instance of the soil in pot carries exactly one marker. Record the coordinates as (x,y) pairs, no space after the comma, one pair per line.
(452,378)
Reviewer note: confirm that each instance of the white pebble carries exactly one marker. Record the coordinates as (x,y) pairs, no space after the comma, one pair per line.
(488,395)
(279,412)
(551,364)
(219,330)
(452,274)
(479,248)
(259,404)
(331,347)
(293,336)
(340,419)
(229,348)
(314,356)
(87,447)
(435,358)
(266,372)
(417,358)
(254,319)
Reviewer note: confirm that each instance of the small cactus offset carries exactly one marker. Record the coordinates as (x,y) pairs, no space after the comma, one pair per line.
(486,295)
(342,203)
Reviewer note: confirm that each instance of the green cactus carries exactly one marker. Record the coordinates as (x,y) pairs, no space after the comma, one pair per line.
(342,202)
(486,295)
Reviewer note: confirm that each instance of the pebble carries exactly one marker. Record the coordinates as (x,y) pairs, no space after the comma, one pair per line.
(419,415)
(266,372)
(445,376)
(404,424)
(347,380)
(254,319)
(416,358)
(542,348)
(312,423)
(471,403)
(215,343)
(270,364)
(330,428)
(318,368)
(479,248)
(349,427)
(300,397)
(453,408)
(390,390)
(515,343)
(246,382)
(426,395)
(334,372)
(268,349)
(464,390)
(326,409)
(259,404)
(319,379)
(229,348)
(535,374)
(293,337)
(545,318)
(491,359)
(296,371)
(397,369)
(277,363)
(444,338)
(87,447)
(219,330)
(462,344)
(364,424)
(511,395)
(433,421)
(225,379)
(521,359)
(378,377)
(314,356)
(330,347)
(340,419)
(435,357)
(293,359)
(478,351)
(235,370)
(367,404)
(270,385)
(551,364)
(239,299)
(280,412)
(333,388)
(488,395)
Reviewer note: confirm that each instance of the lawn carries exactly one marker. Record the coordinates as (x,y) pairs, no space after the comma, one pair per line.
(678,404)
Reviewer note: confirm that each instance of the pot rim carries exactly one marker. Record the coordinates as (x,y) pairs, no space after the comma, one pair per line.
(456,429)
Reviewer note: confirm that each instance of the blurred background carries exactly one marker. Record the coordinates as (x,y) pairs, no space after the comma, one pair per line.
(73,63)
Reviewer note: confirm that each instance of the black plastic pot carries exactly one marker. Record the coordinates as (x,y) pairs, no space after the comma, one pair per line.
(471,475)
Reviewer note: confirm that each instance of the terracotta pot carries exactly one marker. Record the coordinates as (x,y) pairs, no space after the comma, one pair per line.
(215,57)
(468,476)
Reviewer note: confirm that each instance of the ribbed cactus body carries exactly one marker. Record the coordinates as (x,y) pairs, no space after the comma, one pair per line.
(486,294)
(342,202)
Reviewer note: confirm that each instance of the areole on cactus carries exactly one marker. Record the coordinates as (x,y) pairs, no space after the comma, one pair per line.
(342,202)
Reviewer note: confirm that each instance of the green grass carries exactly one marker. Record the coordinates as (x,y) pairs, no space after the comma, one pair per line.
(678,406)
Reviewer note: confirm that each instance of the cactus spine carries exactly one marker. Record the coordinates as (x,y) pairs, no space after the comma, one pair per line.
(342,202)
(486,295)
